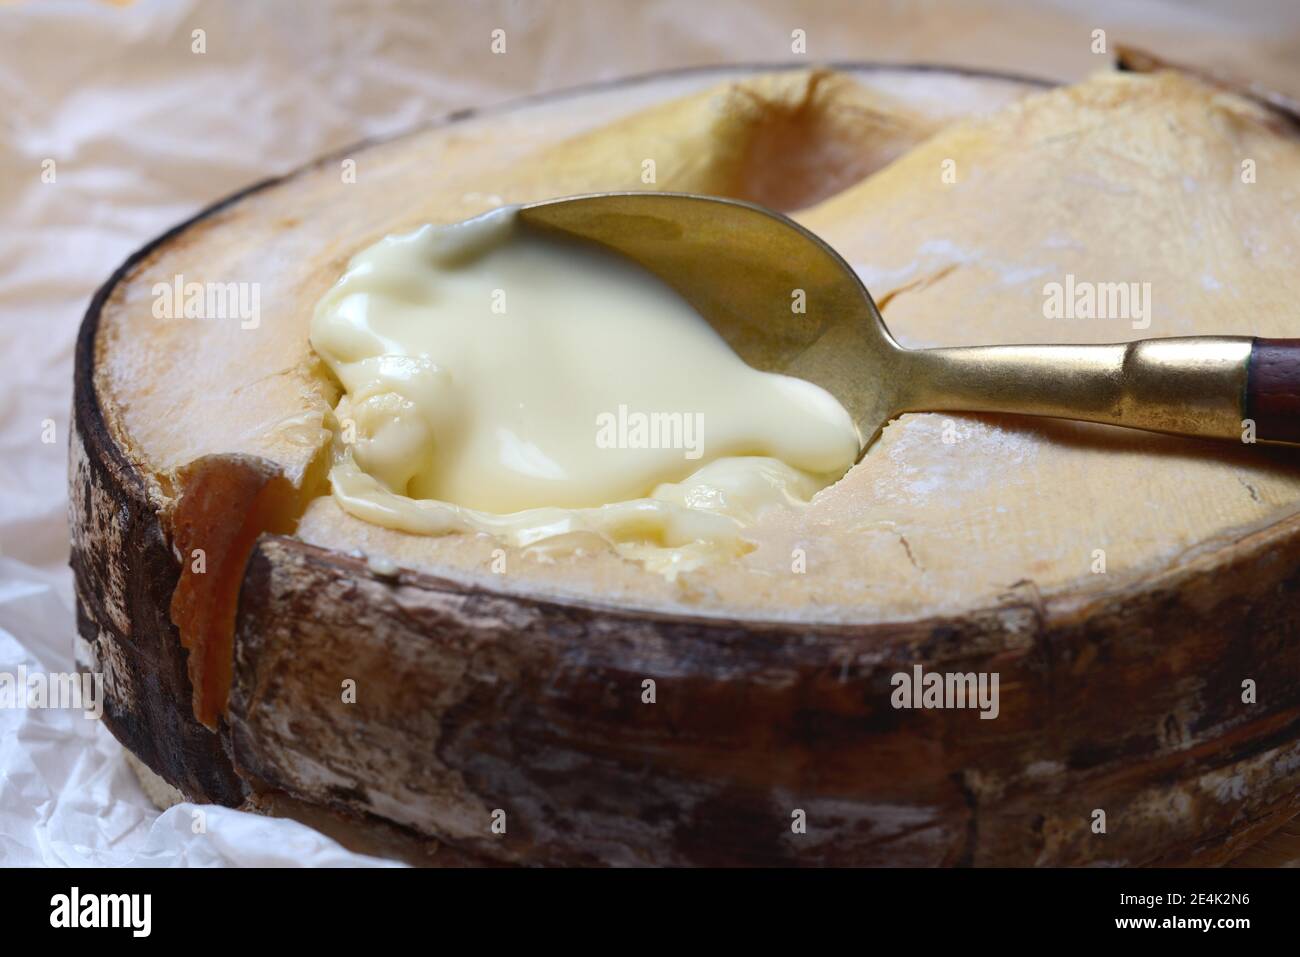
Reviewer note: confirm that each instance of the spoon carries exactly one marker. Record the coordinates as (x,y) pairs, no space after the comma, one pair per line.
(741,266)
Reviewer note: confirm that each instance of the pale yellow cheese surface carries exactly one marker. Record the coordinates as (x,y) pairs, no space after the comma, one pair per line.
(1120,178)
(1123,178)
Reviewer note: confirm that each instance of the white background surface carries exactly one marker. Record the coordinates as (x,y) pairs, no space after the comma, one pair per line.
(144,132)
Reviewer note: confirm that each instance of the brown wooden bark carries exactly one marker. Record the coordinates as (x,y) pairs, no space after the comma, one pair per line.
(126,573)
(469,701)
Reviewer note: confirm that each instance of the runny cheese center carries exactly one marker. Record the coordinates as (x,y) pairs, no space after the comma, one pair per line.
(498,371)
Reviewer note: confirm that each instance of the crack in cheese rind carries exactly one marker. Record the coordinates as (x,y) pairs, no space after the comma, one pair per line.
(499,381)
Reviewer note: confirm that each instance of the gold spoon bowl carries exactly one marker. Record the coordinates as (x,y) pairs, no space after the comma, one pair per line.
(786,302)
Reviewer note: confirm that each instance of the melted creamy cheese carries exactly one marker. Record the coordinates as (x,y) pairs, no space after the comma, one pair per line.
(500,381)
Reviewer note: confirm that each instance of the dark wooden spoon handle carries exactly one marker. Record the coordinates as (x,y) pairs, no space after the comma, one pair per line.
(1273,389)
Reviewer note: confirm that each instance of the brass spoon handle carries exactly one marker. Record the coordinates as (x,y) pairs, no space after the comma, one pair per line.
(1226,387)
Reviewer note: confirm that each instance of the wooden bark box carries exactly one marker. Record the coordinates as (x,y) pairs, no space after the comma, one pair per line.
(1135,594)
